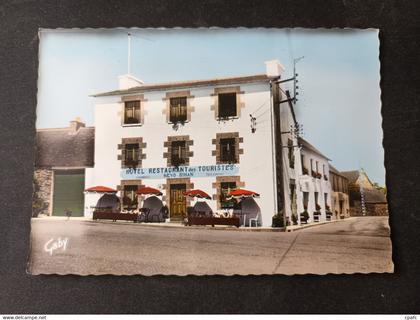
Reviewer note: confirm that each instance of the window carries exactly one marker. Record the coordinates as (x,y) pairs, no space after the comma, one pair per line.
(305,200)
(178,153)
(291,153)
(132,151)
(227,150)
(227,105)
(317,207)
(302,161)
(178,109)
(132,112)
(225,188)
(129,197)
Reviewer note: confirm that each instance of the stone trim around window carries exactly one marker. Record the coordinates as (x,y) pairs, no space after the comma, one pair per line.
(167,187)
(239,103)
(218,186)
(168,144)
(143,112)
(125,141)
(227,135)
(123,183)
(177,94)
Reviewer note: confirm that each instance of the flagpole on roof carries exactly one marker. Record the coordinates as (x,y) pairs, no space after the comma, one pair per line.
(129,52)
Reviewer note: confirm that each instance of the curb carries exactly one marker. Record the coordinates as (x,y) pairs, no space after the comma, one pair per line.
(316,224)
(181,226)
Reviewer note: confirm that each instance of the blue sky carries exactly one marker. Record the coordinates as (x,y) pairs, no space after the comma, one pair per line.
(339,97)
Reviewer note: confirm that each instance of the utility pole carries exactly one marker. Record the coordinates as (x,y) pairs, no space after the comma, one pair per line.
(278,151)
(295,86)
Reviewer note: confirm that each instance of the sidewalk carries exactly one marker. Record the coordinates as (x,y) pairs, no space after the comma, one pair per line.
(182,226)
(314,224)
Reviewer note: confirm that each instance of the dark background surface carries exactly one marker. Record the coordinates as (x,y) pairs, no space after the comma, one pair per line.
(374,293)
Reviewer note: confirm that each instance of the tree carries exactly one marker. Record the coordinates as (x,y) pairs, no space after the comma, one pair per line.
(380,188)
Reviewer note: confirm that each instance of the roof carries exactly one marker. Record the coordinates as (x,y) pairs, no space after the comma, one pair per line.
(352,176)
(306,145)
(63,147)
(336,172)
(188,84)
(333,169)
(374,196)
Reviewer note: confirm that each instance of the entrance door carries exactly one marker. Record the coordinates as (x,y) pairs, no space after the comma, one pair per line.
(178,202)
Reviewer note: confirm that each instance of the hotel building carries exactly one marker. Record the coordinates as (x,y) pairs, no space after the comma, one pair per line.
(215,135)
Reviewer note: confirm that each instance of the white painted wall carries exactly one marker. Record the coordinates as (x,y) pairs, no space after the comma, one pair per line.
(255,164)
(309,184)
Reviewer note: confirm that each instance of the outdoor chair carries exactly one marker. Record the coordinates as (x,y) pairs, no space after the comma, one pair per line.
(251,220)
(190,212)
(154,216)
(143,215)
(165,212)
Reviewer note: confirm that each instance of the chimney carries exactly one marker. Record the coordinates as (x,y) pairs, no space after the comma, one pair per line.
(127,81)
(273,68)
(76,124)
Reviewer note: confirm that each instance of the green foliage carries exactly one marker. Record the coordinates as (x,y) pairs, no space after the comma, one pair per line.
(294,218)
(304,216)
(278,220)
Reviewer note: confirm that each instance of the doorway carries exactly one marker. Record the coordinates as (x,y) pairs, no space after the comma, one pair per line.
(68,193)
(177,201)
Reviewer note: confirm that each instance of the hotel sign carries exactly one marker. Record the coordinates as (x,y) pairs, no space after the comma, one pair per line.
(180,172)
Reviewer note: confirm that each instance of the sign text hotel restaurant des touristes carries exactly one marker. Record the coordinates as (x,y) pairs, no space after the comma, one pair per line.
(180,172)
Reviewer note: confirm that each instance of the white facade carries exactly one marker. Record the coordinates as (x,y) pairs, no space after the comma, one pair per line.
(256,162)
(319,188)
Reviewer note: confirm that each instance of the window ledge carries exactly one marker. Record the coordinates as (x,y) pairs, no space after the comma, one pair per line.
(179,122)
(227,118)
(131,125)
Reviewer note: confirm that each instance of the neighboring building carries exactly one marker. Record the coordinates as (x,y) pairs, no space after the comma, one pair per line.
(62,155)
(365,199)
(197,134)
(340,203)
(314,189)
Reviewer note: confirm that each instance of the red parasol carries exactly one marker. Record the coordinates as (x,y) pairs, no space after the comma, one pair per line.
(101,189)
(241,193)
(197,193)
(149,191)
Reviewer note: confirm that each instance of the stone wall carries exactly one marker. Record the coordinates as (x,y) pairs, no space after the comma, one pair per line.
(42,192)
(372,209)
(377,209)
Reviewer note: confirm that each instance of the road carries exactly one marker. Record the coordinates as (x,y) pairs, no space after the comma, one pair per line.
(354,245)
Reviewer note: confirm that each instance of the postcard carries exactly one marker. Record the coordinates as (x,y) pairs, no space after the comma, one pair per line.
(209,151)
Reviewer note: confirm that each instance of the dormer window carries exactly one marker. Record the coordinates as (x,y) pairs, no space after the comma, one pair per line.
(132,112)
(227,105)
(178,109)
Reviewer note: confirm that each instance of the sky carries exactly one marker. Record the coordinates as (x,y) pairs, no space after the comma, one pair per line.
(339,102)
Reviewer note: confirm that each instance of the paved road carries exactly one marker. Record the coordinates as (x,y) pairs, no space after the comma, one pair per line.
(355,245)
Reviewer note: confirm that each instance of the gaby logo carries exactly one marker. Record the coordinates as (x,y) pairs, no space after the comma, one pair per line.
(52,244)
